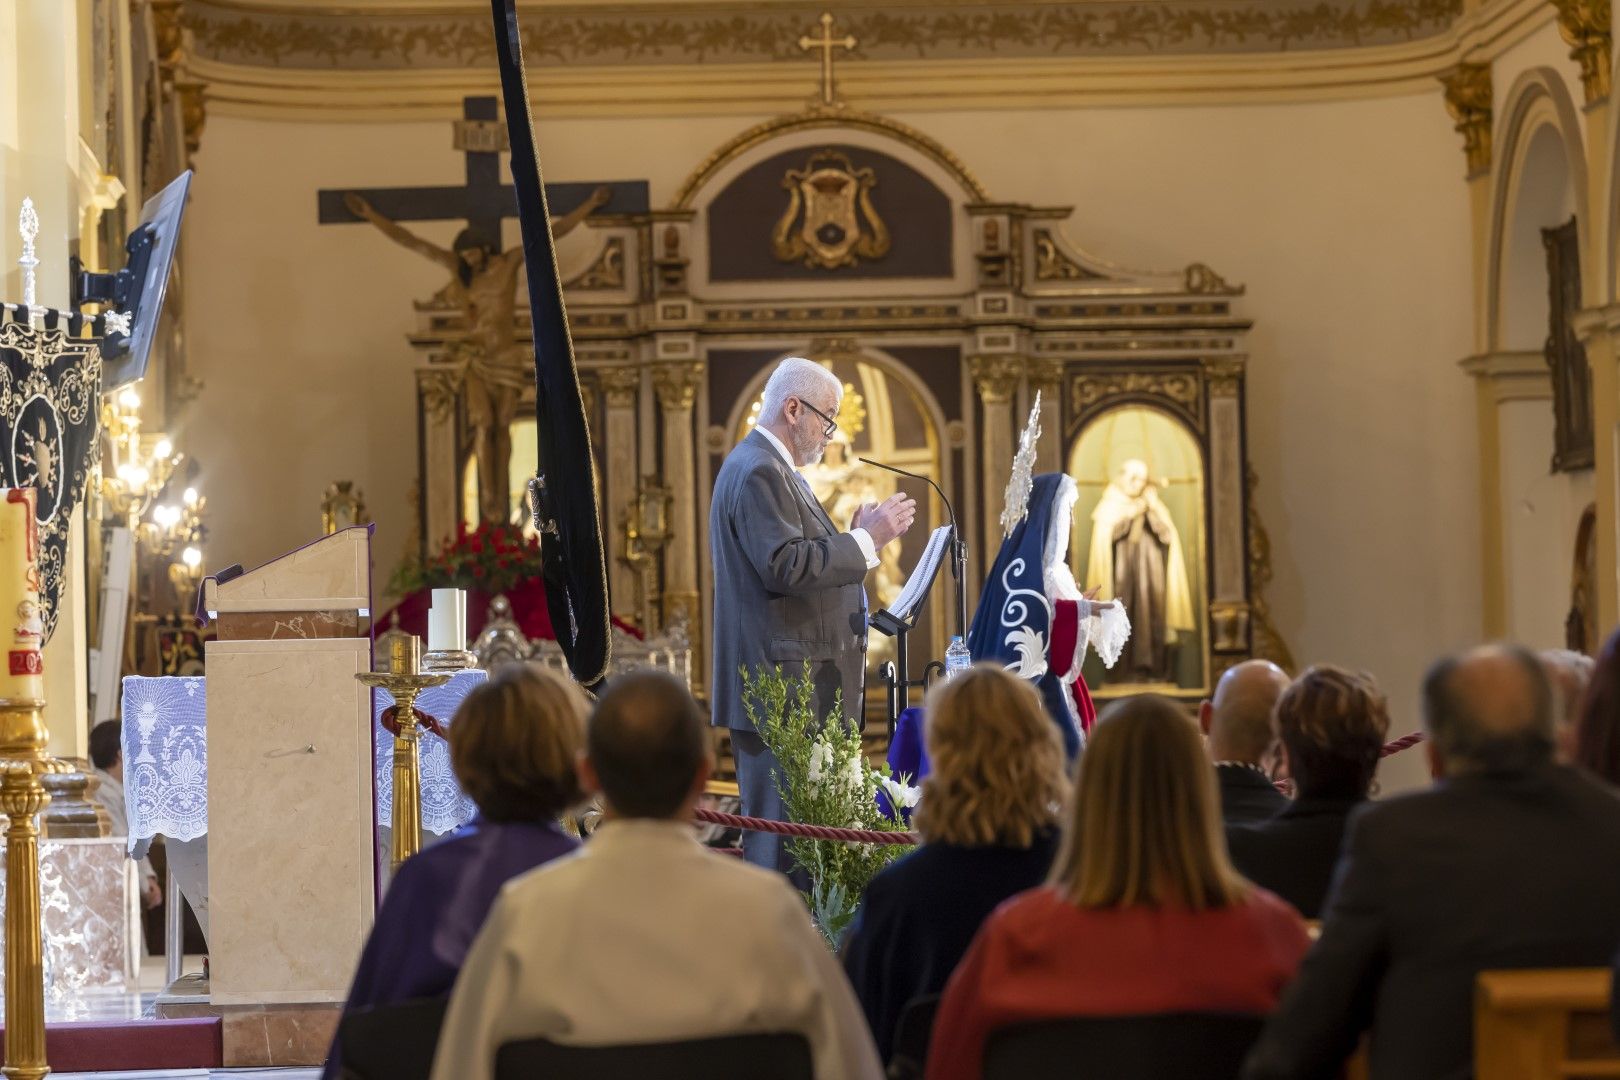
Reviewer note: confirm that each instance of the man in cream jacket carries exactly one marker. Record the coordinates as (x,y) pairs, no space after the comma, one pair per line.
(644,935)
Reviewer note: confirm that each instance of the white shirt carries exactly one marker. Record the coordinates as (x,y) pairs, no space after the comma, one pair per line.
(862,537)
(644,935)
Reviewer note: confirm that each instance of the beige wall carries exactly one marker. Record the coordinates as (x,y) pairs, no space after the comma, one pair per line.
(1347,221)
(40,159)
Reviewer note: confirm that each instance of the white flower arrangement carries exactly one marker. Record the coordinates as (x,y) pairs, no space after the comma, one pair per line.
(824,779)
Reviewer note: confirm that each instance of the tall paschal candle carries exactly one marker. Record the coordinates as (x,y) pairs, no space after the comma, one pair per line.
(23,677)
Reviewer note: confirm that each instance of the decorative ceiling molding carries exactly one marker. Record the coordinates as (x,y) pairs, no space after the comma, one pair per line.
(288,59)
(360,39)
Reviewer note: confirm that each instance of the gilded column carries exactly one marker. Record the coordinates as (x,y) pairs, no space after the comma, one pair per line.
(677,386)
(1585,27)
(1046,376)
(619,387)
(1468,100)
(996,378)
(1228,594)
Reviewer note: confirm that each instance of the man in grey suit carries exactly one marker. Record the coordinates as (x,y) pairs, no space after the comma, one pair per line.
(787,582)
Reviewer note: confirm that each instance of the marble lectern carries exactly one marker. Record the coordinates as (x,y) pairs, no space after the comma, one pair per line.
(291,872)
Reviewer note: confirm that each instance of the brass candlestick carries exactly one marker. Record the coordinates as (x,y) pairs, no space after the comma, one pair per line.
(404,681)
(23,761)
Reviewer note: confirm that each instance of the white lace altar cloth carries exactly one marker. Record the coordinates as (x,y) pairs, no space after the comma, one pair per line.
(444,807)
(165,757)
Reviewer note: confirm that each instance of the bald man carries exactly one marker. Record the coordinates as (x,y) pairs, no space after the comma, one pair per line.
(1508,861)
(1237,721)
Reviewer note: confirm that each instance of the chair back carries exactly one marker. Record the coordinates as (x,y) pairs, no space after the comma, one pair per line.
(1166,1046)
(1544,1022)
(392,1042)
(777,1056)
(915,1028)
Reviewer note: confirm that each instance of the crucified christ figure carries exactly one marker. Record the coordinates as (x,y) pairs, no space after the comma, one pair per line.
(484,279)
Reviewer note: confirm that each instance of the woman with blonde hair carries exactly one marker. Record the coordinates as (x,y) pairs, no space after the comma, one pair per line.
(989,817)
(1142,913)
(513,745)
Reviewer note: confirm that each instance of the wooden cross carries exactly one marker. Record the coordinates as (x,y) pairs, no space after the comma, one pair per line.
(483,201)
(827,43)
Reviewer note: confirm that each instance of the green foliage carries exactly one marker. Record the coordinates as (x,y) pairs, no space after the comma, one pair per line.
(824,779)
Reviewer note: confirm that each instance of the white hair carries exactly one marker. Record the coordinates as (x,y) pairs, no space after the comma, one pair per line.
(794,377)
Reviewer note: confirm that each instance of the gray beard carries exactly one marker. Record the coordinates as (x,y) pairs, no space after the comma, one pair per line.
(806,450)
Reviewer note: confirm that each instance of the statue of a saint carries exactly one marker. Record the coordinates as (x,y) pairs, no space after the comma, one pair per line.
(484,279)
(1136,557)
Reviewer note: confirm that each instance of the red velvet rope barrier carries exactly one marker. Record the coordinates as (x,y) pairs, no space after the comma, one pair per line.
(1403,743)
(872,836)
(814,832)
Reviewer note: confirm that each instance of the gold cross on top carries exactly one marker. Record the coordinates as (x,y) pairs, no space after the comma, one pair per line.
(827,43)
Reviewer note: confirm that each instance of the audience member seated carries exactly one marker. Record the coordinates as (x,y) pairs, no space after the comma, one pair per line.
(989,819)
(1570,673)
(513,744)
(1332,725)
(1597,736)
(1143,913)
(645,935)
(1238,723)
(1508,861)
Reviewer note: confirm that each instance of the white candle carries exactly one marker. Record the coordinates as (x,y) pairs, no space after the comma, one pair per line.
(447,621)
(22,678)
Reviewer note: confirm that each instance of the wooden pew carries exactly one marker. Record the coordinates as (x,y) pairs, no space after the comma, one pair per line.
(1544,1024)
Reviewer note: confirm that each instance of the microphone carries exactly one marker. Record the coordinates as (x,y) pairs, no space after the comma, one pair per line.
(915,476)
(958,545)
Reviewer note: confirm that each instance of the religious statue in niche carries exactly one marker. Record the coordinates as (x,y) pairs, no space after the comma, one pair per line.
(494,370)
(829,221)
(1136,557)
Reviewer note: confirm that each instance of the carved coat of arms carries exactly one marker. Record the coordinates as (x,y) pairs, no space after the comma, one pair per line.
(829,221)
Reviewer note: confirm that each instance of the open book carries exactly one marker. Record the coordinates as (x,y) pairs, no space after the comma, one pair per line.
(905,606)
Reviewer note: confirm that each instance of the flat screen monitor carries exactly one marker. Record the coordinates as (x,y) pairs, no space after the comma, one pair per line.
(137,289)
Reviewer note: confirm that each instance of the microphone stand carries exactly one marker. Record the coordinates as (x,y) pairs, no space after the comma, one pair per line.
(958,544)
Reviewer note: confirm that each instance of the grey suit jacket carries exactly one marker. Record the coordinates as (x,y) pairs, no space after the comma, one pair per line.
(787,585)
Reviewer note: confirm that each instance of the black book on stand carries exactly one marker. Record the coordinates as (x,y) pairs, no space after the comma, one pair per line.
(900,619)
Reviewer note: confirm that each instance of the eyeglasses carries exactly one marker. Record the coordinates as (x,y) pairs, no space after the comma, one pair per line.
(832,425)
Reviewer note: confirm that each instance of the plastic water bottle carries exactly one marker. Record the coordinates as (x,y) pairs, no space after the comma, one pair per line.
(957,657)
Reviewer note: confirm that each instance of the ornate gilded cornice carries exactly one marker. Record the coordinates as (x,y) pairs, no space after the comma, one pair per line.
(996,377)
(1584,24)
(377,37)
(1468,100)
(619,385)
(677,384)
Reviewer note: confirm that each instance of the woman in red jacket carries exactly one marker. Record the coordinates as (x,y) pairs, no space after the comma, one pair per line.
(1143,912)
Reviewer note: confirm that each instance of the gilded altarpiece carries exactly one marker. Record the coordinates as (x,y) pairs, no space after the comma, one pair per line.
(862,243)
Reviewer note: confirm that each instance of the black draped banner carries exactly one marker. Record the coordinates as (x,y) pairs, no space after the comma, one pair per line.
(565,487)
(50,385)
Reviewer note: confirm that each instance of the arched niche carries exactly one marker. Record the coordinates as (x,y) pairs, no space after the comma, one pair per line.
(1540,182)
(1100,459)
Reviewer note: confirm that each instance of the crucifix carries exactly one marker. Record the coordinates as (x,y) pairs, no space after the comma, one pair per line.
(494,369)
(827,43)
(483,201)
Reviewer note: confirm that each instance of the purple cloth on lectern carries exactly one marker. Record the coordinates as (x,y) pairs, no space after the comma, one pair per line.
(435,907)
(907,757)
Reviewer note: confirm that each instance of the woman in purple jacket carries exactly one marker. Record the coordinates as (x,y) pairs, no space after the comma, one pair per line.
(513,744)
